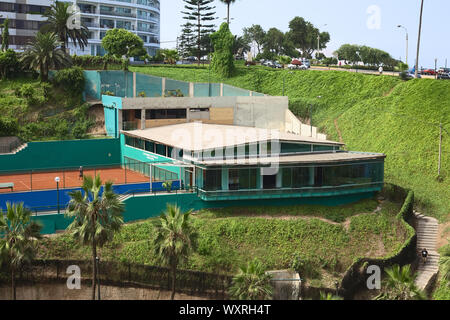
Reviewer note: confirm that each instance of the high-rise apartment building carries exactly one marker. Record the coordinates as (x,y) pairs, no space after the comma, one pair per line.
(141,17)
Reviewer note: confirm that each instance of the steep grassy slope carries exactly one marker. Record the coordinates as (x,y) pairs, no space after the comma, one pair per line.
(373,113)
(42,112)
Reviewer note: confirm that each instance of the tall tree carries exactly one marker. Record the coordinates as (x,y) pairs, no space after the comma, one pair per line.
(175,239)
(97,213)
(228,3)
(199,15)
(59,17)
(222,60)
(256,34)
(5,35)
(251,283)
(349,53)
(304,36)
(18,235)
(123,43)
(43,53)
(274,41)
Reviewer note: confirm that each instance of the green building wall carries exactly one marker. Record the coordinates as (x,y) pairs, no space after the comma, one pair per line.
(63,154)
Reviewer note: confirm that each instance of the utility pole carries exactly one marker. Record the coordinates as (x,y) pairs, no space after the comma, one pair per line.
(407,41)
(440,149)
(435,68)
(418,40)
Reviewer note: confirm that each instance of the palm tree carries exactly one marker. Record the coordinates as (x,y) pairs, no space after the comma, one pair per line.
(228,3)
(97,213)
(328,296)
(18,235)
(251,283)
(444,263)
(175,239)
(57,16)
(400,285)
(44,54)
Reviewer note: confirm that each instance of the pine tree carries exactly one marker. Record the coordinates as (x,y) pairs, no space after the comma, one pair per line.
(199,15)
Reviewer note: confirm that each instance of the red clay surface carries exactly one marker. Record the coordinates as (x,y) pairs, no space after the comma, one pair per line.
(68,179)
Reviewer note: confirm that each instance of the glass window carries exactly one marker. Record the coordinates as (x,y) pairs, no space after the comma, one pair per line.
(300,177)
(212,180)
(286,174)
(161,149)
(149,146)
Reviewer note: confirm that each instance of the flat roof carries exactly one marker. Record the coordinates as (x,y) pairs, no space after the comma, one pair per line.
(196,136)
(339,156)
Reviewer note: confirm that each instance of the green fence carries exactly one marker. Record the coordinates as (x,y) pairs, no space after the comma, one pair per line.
(158,174)
(61,154)
(121,84)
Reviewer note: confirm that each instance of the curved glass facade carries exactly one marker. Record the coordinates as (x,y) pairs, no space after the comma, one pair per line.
(141,17)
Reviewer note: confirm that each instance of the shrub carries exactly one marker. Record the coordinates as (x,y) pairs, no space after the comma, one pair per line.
(142,94)
(71,80)
(8,126)
(9,63)
(26,91)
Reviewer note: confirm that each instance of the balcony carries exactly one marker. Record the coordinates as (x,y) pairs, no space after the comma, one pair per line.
(307,192)
(118,13)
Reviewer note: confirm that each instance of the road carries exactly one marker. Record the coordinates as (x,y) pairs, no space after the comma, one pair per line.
(391,73)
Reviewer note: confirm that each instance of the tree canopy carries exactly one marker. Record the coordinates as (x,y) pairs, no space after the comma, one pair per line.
(222,59)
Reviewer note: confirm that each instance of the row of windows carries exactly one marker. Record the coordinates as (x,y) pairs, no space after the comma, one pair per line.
(19,40)
(22,8)
(23,24)
(296,177)
(153,147)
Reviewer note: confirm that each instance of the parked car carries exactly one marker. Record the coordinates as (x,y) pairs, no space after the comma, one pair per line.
(430,72)
(277,65)
(444,76)
(293,66)
(444,70)
(303,67)
(412,75)
(306,63)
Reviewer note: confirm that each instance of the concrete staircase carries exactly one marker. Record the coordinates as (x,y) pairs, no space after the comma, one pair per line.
(427,233)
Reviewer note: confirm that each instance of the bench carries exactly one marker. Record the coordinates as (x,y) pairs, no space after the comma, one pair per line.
(8,185)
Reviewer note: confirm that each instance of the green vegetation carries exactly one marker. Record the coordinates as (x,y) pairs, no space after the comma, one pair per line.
(400,285)
(97,217)
(224,244)
(18,235)
(372,113)
(442,291)
(335,214)
(39,111)
(175,240)
(222,59)
(251,283)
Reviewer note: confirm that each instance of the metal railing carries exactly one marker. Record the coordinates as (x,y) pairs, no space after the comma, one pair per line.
(8,147)
(285,191)
(130,125)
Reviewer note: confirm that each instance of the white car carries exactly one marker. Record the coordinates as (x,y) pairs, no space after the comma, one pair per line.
(292,66)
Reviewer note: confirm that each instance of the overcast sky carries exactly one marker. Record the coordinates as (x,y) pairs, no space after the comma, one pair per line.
(364,22)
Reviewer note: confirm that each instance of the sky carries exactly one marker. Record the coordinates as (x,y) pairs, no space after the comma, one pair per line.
(363,22)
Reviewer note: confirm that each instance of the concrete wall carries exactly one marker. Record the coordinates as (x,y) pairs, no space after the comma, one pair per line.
(251,111)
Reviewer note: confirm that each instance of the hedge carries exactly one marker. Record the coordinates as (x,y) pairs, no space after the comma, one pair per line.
(355,277)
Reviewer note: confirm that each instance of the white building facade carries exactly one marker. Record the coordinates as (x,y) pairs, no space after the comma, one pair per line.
(141,17)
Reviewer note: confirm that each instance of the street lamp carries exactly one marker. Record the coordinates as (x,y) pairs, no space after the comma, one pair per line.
(57,192)
(318,40)
(407,41)
(418,40)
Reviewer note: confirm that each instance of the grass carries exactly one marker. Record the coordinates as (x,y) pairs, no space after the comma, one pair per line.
(56,116)
(373,114)
(226,243)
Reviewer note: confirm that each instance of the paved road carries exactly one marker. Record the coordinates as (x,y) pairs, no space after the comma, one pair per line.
(391,73)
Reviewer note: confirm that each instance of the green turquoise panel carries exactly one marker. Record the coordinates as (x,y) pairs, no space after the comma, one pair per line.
(63,154)
(230,91)
(206,89)
(173,85)
(152,86)
(92,84)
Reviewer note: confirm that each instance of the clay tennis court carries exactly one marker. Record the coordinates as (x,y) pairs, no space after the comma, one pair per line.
(68,178)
